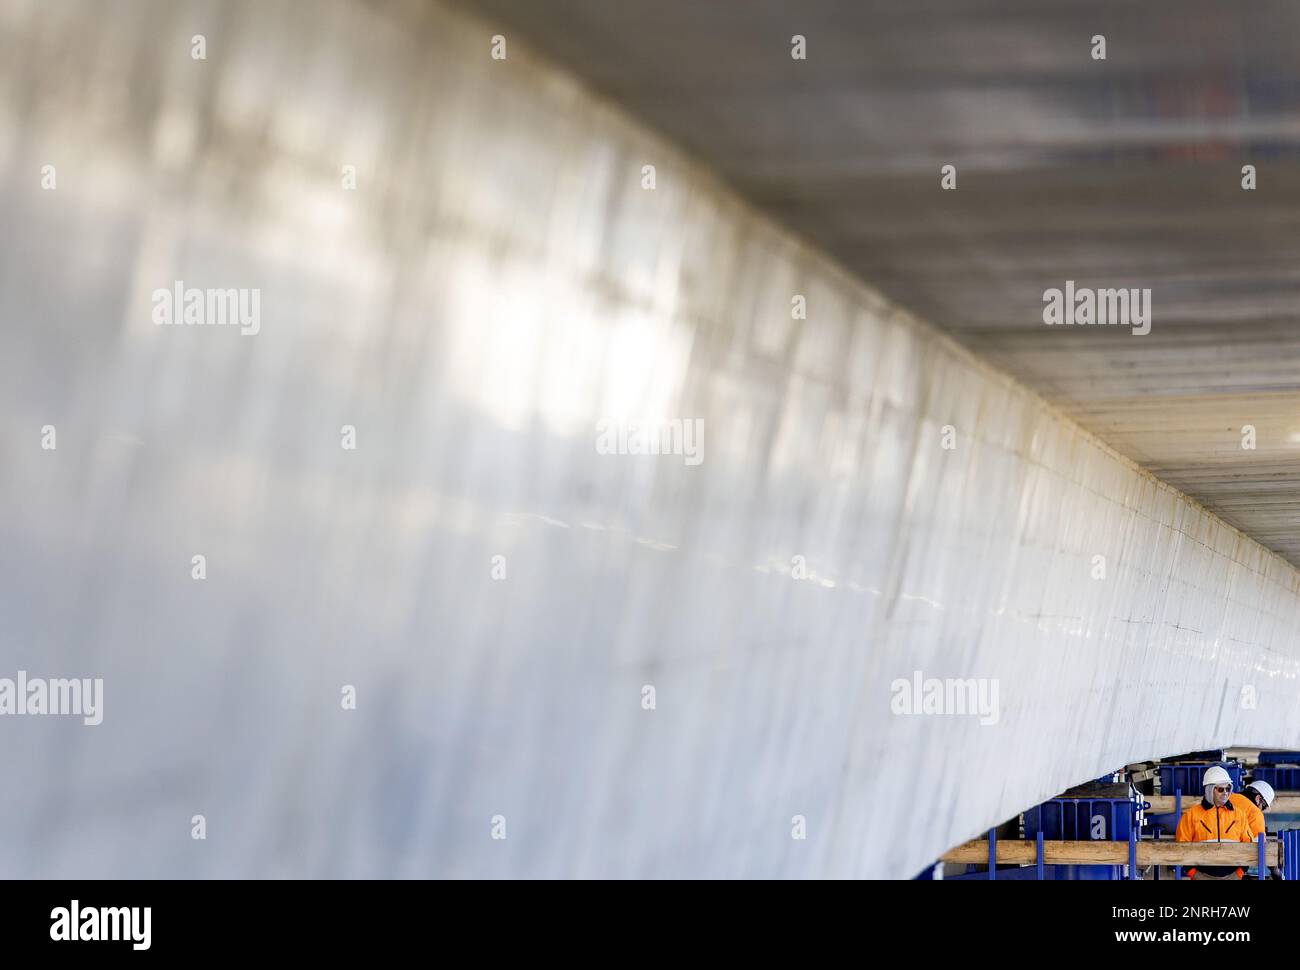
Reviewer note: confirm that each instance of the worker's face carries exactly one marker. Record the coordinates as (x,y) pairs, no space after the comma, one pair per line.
(1221,793)
(1259,800)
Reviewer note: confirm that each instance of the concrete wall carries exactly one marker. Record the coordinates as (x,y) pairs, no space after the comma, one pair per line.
(497,287)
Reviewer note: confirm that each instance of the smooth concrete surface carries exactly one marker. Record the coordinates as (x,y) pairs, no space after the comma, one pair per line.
(497,288)
(1122,172)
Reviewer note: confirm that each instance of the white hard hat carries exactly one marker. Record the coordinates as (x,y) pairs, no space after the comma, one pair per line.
(1214,775)
(1265,789)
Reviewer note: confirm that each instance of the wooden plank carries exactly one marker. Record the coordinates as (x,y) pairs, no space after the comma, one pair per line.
(1162,804)
(1116,853)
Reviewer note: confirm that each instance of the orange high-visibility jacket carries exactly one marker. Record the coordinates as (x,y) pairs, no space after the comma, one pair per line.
(1205,823)
(1254,817)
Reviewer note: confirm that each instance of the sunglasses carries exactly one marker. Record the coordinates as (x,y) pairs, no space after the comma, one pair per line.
(1223,789)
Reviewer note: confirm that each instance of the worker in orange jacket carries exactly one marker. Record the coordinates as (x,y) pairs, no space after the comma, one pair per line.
(1214,819)
(1254,800)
